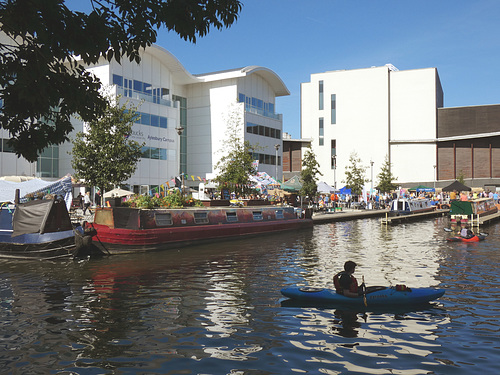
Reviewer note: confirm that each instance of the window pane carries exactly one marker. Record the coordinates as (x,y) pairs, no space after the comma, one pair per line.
(334,108)
(117,80)
(163,122)
(320,88)
(155,120)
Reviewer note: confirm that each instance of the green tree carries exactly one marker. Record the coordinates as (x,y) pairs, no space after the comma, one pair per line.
(103,155)
(42,83)
(236,163)
(386,178)
(310,169)
(355,175)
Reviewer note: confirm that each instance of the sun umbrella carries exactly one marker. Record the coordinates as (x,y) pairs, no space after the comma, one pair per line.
(117,193)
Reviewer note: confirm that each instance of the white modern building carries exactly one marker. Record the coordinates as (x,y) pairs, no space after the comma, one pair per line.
(171,100)
(376,113)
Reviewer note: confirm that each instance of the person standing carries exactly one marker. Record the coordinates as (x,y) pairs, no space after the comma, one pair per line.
(86,202)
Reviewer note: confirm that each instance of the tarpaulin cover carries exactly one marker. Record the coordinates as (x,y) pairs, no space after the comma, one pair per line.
(40,216)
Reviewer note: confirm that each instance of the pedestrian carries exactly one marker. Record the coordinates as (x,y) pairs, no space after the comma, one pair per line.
(86,202)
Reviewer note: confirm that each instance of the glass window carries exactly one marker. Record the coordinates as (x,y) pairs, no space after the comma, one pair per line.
(321,141)
(117,80)
(320,89)
(278,133)
(163,154)
(145,119)
(155,120)
(163,219)
(321,127)
(271,107)
(231,216)
(334,108)
(273,133)
(201,217)
(279,214)
(137,86)
(241,98)
(257,215)
(146,152)
(155,153)
(163,122)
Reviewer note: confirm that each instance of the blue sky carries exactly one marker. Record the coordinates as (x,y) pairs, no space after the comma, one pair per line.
(298,38)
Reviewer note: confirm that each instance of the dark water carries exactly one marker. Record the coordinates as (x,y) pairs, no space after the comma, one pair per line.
(217,309)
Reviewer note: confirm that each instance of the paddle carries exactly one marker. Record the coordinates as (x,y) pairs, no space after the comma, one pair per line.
(364,290)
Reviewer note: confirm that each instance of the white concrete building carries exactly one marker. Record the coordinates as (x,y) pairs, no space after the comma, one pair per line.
(170,98)
(374,112)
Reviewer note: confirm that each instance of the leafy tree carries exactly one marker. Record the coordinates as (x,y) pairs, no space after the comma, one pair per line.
(236,164)
(461,177)
(104,156)
(43,84)
(386,178)
(310,169)
(355,175)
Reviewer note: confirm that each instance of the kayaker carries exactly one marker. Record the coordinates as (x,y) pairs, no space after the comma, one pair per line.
(466,232)
(345,283)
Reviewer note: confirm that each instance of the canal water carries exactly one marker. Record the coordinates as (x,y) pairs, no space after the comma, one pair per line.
(217,309)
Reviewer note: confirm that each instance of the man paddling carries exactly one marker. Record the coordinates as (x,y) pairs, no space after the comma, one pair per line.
(346,284)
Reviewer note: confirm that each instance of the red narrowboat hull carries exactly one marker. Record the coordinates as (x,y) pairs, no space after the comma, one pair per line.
(183,229)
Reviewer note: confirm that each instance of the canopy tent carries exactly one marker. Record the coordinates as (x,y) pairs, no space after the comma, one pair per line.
(118,193)
(60,187)
(324,188)
(263,181)
(345,190)
(421,188)
(292,185)
(458,186)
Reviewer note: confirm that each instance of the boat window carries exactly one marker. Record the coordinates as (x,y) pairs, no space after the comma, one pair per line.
(163,219)
(279,214)
(231,216)
(201,217)
(257,215)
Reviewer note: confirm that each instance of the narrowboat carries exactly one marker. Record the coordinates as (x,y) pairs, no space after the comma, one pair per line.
(405,206)
(39,229)
(462,210)
(128,229)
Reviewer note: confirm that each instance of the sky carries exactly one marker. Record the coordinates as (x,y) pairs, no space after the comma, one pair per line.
(298,38)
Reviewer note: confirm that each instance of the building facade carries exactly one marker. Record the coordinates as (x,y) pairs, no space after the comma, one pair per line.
(374,113)
(172,101)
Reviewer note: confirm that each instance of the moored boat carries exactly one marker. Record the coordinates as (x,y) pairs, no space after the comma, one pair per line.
(39,229)
(376,296)
(405,206)
(463,210)
(125,229)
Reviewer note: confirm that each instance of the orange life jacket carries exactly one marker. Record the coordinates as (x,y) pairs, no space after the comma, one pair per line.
(338,288)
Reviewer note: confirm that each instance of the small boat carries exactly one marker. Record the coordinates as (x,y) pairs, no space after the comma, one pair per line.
(126,229)
(475,238)
(376,296)
(405,206)
(39,229)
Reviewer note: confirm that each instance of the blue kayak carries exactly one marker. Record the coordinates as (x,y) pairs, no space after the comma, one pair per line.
(375,296)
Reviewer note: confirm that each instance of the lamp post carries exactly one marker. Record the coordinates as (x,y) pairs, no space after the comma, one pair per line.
(277,147)
(180,130)
(334,164)
(371,188)
(435,177)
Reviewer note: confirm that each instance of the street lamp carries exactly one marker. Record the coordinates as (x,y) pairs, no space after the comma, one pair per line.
(371,188)
(277,147)
(180,130)
(334,164)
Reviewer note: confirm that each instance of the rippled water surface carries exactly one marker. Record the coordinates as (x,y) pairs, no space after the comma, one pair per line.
(217,309)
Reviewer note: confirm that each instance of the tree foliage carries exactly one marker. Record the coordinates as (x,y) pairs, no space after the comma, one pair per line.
(103,155)
(308,174)
(355,175)
(236,163)
(386,178)
(43,84)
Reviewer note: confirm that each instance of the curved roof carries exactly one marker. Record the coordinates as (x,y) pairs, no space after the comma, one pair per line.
(267,74)
(179,74)
(182,76)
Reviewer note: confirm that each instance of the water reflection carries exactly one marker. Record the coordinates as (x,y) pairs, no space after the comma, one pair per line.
(216,309)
